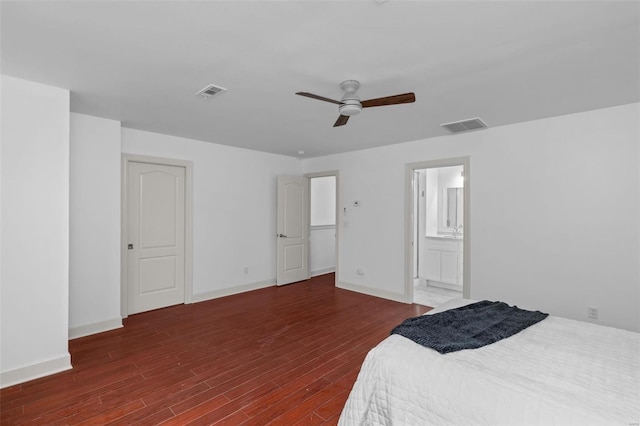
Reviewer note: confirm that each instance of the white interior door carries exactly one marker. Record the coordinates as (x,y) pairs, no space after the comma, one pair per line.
(292,230)
(156,237)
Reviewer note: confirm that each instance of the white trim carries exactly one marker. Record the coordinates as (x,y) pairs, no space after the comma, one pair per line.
(321,227)
(408,221)
(371,291)
(445,286)
(95,328)
(335,173)
(35,371)
(322,271)
(188,226)
(229,291)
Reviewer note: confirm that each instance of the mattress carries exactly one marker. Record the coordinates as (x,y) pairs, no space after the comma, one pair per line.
(556,372)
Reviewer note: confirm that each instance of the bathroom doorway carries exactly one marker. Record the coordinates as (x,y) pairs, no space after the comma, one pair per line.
(438,192)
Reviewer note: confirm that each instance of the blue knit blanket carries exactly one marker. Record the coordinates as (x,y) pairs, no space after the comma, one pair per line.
(468,327)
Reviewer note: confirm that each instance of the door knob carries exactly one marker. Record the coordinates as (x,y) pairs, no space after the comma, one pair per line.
(130,246)
(282,236)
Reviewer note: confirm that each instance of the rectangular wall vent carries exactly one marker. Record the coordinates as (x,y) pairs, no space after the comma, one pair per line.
(465,125)
(210,90)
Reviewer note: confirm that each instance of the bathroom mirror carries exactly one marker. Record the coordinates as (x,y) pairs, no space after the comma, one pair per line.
(454,200)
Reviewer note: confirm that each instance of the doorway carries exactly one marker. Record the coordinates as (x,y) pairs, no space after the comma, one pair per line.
(322,224)
(437,230)
(307,234)
(156,233)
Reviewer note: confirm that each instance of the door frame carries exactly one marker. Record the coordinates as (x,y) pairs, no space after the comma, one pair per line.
(308,177)
(410,168)
(124,224)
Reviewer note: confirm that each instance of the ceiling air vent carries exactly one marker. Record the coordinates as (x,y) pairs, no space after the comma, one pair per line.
(210,90)
(465,125)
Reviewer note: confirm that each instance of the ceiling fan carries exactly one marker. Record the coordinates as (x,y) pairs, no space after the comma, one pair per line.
(350,104)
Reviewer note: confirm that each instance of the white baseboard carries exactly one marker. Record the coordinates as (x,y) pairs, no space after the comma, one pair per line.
(446,286)
(35,371)
(323,271)
(372,291)
(232,290)
(97,327)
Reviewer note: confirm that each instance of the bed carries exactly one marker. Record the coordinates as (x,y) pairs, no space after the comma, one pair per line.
(556,372)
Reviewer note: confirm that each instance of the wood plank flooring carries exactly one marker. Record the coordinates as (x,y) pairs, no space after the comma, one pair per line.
(280,355)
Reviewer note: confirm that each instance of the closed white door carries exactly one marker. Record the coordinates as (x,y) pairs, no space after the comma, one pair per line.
(156,221)
(292,230)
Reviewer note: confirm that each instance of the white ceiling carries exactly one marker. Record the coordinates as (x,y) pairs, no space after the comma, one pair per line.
(506,62)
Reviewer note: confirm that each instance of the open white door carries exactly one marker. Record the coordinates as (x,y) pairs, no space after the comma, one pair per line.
(292,230)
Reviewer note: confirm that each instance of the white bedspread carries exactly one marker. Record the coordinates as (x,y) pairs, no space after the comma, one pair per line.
(556,372)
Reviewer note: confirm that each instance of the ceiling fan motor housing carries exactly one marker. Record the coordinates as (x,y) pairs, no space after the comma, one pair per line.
(350,102)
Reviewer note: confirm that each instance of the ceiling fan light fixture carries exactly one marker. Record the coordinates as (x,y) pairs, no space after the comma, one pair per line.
(350,107)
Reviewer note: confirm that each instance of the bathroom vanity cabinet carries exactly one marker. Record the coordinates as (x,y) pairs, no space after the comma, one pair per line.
(443,259)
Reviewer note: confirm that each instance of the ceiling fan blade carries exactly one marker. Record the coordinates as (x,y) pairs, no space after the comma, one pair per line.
(341,121)
(320,98)
(405,98)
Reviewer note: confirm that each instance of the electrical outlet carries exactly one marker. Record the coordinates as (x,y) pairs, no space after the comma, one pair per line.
(592,312)
(246,270)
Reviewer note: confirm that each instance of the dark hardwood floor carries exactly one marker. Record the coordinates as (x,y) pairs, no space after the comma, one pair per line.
(281,355)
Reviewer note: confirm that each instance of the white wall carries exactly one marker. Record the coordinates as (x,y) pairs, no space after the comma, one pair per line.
(323,251)
(429,204)
(554,213)
(234,196)
(34,281)
(94,273)
(323,200)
